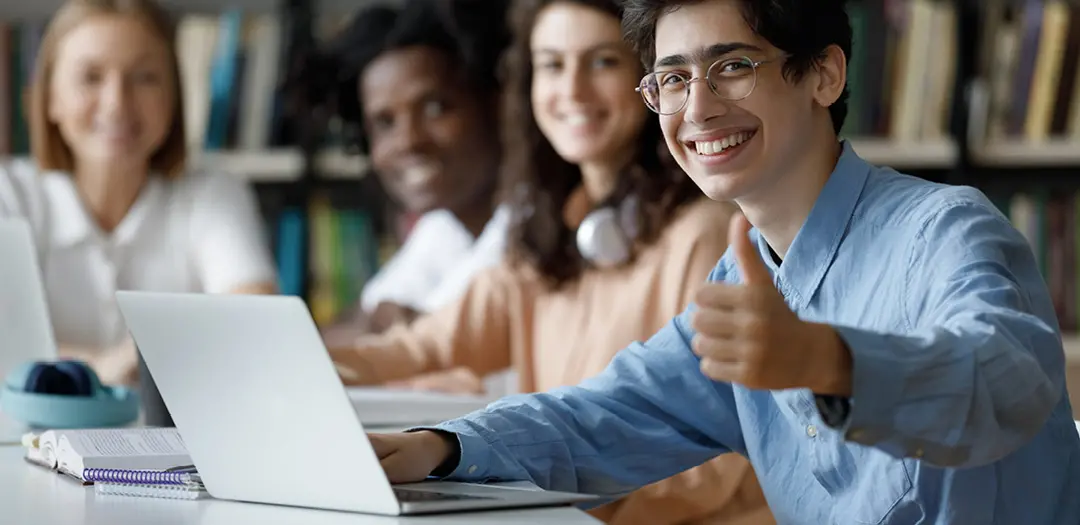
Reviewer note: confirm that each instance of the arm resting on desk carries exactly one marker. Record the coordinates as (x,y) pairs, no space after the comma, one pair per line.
(474,332)
(649,415)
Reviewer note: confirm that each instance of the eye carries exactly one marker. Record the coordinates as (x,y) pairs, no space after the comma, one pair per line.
(434,108)
(146,77)
(670,81)
(734,67)
(605,62)
(379,122)
(548,65)
(90,77)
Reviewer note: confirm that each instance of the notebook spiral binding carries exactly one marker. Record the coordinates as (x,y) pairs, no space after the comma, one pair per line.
(142,477)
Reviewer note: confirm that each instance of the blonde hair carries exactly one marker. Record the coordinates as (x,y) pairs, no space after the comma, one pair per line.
(47,145)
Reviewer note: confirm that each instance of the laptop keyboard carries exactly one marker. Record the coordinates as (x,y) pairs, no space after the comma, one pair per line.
(414,496)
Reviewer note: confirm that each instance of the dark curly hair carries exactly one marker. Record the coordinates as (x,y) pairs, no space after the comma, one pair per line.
(801,28)
(538,182)
(471,33)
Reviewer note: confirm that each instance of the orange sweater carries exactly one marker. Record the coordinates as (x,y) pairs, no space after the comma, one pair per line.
(560,337)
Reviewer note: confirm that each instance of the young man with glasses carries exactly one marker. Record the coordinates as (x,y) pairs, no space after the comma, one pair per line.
(882,348)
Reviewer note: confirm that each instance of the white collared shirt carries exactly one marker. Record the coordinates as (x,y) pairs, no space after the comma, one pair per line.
(201,233)
(437,262)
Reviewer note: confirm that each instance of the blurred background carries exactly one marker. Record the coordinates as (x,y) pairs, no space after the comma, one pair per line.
(985,93)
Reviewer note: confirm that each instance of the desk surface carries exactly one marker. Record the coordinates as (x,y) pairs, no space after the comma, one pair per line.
(10,431)
(31,495)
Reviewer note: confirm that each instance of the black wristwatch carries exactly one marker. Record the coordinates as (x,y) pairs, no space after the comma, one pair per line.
(834,410)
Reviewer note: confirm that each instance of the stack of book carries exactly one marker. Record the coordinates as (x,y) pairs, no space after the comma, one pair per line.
(149,462)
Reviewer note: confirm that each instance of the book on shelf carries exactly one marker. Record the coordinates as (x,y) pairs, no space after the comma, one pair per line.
(1029,60)
(89,454)
(901,70)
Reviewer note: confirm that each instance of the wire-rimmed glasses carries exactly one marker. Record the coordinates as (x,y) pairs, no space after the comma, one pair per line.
(666,92)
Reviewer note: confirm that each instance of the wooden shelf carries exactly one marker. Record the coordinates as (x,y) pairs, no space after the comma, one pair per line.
(938,154)
(42,9)
(1016,154)
(282,165)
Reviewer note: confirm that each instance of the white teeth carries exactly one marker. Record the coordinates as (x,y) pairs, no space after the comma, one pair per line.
(417,175)
(577,119)
(713,147)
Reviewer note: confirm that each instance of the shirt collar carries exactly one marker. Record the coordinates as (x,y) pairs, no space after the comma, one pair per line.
(816,243)
(71,223)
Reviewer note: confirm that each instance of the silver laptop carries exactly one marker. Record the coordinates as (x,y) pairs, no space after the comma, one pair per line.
(24,314)
(265,417)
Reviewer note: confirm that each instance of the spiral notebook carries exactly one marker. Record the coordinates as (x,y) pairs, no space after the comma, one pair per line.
(191,491)
(142,477)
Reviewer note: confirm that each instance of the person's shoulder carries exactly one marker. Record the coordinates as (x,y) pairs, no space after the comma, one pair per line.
(20,172)
(898,198)
(24,188)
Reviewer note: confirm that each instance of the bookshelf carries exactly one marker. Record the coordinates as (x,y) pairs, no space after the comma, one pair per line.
(282,165)
(323,214)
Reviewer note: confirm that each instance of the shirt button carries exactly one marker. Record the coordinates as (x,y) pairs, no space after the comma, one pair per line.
(472,469)
(811,430)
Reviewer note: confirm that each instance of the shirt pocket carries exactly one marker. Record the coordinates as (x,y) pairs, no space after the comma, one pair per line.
(865,482)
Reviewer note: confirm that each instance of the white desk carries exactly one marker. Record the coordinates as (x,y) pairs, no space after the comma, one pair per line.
(10,431)
(31,495)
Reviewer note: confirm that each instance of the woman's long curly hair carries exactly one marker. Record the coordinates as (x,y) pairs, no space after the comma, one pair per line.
(538,182)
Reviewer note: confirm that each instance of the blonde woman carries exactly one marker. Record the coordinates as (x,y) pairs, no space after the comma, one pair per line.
(107,194)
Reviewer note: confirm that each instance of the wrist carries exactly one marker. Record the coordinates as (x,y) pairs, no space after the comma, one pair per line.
(832,362)
(447,451)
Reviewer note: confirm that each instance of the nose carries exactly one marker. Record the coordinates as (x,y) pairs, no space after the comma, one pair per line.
(114,95)
(702,104)
(576,83)
(412,135)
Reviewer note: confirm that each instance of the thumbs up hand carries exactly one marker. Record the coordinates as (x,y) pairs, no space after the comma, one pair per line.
(746,333)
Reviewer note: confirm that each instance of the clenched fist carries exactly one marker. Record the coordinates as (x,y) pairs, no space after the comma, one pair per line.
(411,456)
(746,333)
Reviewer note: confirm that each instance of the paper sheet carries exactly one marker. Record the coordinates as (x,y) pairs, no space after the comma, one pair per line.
(127,442)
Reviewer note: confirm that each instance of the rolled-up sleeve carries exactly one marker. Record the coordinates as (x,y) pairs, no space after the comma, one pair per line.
(648,416)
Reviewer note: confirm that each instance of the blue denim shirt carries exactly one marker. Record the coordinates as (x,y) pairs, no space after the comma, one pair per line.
(959,412)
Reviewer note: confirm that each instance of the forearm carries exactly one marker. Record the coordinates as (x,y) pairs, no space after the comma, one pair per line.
(953,398)
(648,416)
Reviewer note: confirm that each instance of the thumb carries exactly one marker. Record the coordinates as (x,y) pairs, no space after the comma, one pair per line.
(751,266)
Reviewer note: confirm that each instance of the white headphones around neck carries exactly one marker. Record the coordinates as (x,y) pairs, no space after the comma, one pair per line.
(606,235)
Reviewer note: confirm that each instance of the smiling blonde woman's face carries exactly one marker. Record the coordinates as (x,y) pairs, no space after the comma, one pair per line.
(112,93)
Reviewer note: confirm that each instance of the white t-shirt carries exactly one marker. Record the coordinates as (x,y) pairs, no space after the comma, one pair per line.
(201,233)
(437,262)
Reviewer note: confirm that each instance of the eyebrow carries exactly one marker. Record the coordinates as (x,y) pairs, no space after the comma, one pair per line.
(704,54)
(604,46)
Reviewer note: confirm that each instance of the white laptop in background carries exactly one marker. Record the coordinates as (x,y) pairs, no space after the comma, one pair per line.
(26,332)
(265,417)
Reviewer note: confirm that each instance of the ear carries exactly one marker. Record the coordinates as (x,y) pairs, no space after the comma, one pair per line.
(831,76)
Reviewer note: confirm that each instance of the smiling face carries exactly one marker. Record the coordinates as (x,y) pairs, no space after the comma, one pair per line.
(111,92)
(734,148)
(433,142)
(583,84)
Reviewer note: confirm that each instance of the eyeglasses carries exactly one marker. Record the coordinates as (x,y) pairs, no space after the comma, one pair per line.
(666,92)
